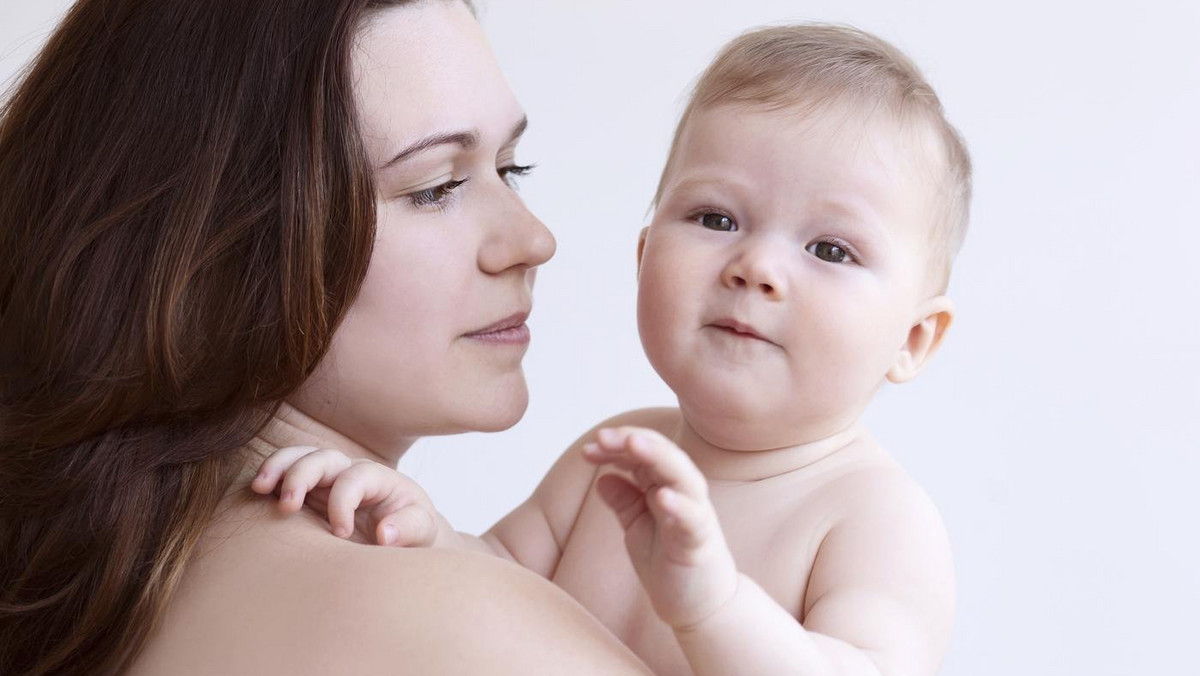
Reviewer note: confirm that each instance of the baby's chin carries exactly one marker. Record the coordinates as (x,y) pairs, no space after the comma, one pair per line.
(736,420)
(733,423)
(737,435)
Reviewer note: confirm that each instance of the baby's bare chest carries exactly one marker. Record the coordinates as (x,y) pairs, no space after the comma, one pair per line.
(772,531)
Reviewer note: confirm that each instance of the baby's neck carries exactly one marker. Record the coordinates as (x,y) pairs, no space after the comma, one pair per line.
(722,464)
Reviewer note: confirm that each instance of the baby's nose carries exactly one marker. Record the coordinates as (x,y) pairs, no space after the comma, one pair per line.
(753,272)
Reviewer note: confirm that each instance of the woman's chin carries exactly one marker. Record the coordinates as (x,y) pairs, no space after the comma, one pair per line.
(497,412)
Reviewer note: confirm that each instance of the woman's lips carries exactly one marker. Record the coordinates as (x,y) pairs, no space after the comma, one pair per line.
(508,331)
(516,335)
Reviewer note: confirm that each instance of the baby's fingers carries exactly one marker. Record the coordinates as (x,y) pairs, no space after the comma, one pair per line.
(345,497)
(413,525)
(650,456)
(625,499)
(318,468)
(684,524)
(273,467)
(385,492)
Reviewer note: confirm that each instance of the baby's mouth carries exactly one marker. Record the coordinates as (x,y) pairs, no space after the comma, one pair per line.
(740,330)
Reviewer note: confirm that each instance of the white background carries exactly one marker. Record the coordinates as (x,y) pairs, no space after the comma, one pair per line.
(1057,428)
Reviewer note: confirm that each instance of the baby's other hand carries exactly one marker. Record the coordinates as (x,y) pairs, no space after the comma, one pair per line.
(379,502)
(671,529)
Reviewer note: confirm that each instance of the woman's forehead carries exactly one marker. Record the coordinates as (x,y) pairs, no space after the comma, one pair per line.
(422,69)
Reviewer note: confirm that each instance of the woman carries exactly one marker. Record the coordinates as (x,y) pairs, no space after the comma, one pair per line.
(237,225)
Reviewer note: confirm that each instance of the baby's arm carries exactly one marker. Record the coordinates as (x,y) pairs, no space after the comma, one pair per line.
(367,497)
(880,586)
(535,532)
(533,535)
(883,578)
(356,496)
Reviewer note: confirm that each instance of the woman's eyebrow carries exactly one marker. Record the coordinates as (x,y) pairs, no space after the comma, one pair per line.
(467,140)
(518,130)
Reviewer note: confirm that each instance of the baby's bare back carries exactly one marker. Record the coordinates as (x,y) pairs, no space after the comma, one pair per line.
(774,527)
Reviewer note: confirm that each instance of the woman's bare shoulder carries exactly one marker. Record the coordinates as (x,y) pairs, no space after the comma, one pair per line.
(290,598)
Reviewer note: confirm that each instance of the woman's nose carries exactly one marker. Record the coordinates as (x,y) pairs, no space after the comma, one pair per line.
(517,239)
(755,269)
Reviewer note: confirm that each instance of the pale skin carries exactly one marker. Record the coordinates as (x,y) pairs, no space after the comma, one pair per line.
(268,595)
(759,528)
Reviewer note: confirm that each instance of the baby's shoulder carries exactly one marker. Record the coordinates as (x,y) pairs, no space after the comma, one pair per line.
(662,419)
(869,484)
(874,500)
(565,486)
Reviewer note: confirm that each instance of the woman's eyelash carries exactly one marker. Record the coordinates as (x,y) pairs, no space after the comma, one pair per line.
(437,197)
(510,173)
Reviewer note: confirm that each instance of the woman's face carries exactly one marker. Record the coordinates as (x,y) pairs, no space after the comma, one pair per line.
(433,342)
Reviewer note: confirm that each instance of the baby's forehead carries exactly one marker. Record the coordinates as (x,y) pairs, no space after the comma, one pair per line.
(853,125)
(839,147)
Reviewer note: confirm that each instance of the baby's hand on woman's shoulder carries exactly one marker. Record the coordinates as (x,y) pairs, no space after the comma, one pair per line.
(361,495)
(671,530)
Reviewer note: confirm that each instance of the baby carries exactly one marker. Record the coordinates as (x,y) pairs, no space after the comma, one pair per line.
(805,224)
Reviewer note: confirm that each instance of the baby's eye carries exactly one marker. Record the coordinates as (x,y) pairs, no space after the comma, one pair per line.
(715,221)
(830,252)
(510,173)
(437,197)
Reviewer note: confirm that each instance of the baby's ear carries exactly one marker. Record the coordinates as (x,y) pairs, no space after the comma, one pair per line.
(641,248)
(924,337)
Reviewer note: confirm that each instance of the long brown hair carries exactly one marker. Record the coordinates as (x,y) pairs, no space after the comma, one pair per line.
(186,213)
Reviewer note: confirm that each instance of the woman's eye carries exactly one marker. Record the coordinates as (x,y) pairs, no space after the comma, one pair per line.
(510,173)
(830,252)
(721,222)
(437,196)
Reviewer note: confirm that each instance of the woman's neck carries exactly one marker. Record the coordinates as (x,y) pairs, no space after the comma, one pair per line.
(292,427)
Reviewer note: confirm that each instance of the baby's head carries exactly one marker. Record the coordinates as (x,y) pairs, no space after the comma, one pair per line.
(805,225)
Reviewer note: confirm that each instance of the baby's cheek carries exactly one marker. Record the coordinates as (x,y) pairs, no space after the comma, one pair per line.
(659,315)
(875,340)
(653,323)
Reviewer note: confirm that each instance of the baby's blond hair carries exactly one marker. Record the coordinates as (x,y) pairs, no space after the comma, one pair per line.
(807,66)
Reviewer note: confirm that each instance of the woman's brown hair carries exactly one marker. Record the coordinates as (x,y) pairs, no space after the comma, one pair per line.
(186,213)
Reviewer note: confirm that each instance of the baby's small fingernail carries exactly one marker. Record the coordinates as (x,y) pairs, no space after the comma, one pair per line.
(390,535)
(607,435)
(341,532)
(287,496)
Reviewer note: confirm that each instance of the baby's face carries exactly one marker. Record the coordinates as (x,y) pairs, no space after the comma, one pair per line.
(783,271)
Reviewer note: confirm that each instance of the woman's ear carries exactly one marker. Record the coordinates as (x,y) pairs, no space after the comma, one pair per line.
(924,337)
(641,248)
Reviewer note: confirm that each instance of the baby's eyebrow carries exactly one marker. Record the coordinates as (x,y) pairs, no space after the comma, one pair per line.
(693,183)
(863,217)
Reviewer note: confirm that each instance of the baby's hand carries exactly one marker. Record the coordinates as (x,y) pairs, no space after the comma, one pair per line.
(671,529)
(388,504)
